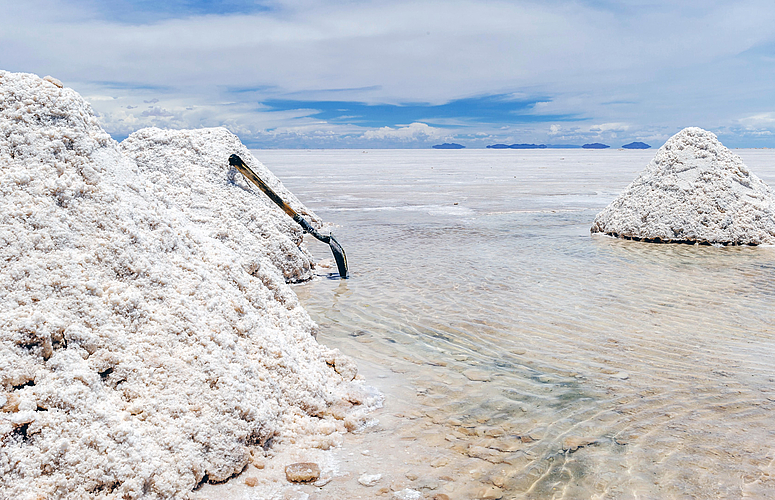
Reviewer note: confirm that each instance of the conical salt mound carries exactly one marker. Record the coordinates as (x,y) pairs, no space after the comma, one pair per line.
(695,190)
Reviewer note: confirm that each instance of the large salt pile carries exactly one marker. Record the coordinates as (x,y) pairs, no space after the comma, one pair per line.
(695,190)
(148,340)
(185,169)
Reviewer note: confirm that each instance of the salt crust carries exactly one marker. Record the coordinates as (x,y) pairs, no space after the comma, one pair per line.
(695,190)
(148,338)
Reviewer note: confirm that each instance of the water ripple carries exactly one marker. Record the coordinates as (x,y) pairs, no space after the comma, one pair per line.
(553,363)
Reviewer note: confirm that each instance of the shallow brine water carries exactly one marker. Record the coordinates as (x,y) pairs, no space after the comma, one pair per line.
(522,357)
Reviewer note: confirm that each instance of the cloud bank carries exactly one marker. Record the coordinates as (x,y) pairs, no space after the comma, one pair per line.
(336,74)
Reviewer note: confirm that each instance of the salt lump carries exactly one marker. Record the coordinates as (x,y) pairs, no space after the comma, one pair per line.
(695,190)
(148,338)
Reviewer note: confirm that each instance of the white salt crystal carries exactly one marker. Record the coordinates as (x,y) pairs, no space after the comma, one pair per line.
(369,479)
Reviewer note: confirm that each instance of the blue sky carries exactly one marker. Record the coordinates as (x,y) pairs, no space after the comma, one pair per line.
(410,74)
(489,110)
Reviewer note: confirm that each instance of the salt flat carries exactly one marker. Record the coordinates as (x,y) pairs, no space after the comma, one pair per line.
(608,368)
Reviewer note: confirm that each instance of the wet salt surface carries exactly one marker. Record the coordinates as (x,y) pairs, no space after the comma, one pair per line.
(522,357)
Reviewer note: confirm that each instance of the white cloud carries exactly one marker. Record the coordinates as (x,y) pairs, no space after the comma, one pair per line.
(156,111)
(96,98)
(759,120)
(609,127)
(657,64)
(410,133)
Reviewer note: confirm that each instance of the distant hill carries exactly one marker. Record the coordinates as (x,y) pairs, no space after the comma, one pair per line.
(636,145)
(517,146)
(595,145)
(448,145)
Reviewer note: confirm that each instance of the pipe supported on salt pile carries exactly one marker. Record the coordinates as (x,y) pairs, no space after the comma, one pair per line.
(341,259)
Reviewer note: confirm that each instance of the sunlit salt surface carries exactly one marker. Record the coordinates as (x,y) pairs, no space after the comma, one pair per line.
(522,357)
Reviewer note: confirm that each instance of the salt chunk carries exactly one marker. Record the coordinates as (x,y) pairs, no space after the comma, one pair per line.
(53,80)
(406,494)
(345,367)
(369,479)
(302,472)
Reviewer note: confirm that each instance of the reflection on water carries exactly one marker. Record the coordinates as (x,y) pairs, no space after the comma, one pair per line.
(522,357)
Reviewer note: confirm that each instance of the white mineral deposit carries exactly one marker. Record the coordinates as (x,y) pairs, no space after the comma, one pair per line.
(695,190)
(148,338)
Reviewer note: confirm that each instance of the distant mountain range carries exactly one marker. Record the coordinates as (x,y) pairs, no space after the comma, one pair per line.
(594,145)
(636,145)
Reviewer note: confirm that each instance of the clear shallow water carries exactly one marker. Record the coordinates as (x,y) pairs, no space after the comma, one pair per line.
(522,357)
